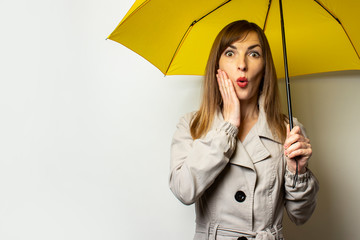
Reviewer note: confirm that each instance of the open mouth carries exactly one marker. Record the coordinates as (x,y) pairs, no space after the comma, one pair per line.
(242,82)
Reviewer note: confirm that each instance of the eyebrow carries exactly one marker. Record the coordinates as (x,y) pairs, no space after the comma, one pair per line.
(249,48)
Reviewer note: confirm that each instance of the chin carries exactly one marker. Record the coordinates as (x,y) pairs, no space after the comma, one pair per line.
(243,96)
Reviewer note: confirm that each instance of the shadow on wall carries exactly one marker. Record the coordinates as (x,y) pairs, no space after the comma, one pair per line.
(327,105)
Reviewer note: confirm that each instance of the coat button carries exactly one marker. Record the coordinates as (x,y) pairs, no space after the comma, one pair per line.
(240,197)
(242,238)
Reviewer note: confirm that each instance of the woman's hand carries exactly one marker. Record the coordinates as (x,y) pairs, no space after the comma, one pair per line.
(297,147)
(231,103)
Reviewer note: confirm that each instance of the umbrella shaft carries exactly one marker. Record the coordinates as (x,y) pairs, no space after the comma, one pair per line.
(287,80)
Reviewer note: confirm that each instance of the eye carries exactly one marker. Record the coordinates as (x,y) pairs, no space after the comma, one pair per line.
(254,54)
(229,53)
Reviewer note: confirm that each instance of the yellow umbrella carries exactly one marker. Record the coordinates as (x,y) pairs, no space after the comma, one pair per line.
(176,35)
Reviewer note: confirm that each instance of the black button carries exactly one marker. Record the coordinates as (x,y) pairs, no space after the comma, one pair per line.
(240,196)
(242,238)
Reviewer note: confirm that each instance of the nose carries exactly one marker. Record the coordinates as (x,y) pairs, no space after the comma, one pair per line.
(241,65)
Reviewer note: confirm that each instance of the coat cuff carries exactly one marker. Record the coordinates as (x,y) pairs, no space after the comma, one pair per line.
(229,128)
(301,177)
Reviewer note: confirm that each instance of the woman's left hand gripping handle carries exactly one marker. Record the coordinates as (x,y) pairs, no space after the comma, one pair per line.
(297,147)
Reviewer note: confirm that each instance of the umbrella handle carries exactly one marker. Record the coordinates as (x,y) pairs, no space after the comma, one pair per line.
(296,174)
(287,81)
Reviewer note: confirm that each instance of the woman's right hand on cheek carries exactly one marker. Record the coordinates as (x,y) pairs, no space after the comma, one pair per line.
(231,103)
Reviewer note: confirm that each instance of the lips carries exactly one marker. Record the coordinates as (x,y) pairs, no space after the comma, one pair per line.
(242,82)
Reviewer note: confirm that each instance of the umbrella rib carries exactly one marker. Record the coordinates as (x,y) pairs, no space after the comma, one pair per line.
(267,15)
(211,11)
(338,20)
(189,29)
(133,12)
(178,47)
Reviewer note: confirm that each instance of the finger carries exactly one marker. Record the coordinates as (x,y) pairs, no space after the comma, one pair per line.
(221,80)
(232,91)
(227,86)
(223,73)
(297,146)
(287,130)
(218,77)
(293,139)
(303,153)
(295,130)
(221,84)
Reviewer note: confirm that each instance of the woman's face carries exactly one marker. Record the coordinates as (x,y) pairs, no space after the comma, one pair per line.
(244,64)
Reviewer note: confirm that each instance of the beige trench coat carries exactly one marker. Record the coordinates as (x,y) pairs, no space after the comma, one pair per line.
(239,188)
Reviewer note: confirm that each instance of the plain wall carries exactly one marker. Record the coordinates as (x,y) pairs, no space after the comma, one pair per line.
(86,126)
(328,105)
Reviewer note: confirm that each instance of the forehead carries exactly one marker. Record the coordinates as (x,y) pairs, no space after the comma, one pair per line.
(249,39)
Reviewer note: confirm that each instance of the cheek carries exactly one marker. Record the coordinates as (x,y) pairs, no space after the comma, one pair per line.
(224,64)
(221,63)
(259,69)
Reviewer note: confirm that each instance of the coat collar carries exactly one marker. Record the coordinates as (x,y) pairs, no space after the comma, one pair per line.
(252,150)
(262,128)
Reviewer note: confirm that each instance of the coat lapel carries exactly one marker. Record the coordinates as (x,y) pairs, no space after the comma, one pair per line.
(251,151)
(256,148)
(241,157)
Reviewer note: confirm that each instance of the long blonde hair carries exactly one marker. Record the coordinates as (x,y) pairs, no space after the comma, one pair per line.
(212,100)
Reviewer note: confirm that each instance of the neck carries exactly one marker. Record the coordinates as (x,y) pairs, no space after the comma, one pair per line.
(249,109)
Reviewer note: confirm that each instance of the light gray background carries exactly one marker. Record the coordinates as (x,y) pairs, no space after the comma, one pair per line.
(86,126)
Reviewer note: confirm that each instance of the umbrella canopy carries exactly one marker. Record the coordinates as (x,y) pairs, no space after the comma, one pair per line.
(176,36)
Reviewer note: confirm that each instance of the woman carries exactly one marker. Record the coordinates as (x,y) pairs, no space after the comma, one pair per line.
(234,158)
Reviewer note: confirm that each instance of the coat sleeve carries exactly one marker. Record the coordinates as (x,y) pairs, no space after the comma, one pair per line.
(300,202)
(196,163)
